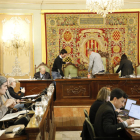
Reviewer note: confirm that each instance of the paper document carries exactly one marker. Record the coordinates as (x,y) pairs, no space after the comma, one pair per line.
(1,132)
(30,96)
(136,124)
(13,115)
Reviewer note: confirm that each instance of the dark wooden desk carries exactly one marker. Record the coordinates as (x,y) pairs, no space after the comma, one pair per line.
(132,135)
(46,127)
(10,137)
(34,86)
(84,91)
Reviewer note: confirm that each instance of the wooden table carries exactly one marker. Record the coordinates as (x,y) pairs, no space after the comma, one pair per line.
(34,86)
(11,137)
(84,91)
(132,135)
(45,127)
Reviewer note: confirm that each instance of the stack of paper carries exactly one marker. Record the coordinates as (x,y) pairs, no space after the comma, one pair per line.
(136,124)
(30,96)
(13,115)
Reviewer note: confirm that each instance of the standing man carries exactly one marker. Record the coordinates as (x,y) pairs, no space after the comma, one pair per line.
(95,62)
(9,103)
(106,124)
(42,74)
(57,65)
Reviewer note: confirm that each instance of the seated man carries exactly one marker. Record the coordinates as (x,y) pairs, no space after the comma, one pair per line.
(11,85)
(18,106)
(106,124)
(9,103)
(42,74)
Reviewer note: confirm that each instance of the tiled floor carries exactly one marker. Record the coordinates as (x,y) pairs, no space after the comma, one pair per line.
(68,135)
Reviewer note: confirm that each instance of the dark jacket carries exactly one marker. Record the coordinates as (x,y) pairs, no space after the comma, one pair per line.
(57,65)
(93,109)
(14,94)
(125,67)
(46,75)
(105,124)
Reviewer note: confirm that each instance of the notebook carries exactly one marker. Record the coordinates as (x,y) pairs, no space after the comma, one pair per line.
(129,102)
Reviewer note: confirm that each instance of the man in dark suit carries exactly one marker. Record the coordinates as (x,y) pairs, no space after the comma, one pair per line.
(125,66)
(57,65)
(42,74)
(106,124)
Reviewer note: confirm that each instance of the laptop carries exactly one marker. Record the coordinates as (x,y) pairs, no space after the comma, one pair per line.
(134,111)
(129,102)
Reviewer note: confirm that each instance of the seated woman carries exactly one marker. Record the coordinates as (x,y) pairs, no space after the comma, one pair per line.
(11,86)
(102,97)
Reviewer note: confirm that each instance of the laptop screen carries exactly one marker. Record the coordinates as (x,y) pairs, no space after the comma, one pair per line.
(134,111)
(128,103)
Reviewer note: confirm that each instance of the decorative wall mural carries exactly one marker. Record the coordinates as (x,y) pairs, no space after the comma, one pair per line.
(76,32)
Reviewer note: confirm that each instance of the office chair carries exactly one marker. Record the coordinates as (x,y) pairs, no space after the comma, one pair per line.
(86,114)
(92,133)
(85,134)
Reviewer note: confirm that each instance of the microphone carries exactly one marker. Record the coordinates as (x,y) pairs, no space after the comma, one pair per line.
(28,104)
(37,98)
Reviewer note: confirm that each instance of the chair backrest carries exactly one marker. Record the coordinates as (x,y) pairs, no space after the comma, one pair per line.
(90,129)
(70,69)
(137,70)
(37,68)
(104,62)
(115,69)
(104,57)
(86,114)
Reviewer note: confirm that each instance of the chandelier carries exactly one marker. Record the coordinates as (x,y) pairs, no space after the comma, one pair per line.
(102,7)
(14,36)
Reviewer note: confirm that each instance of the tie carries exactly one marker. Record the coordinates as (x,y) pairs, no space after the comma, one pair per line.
(42,76)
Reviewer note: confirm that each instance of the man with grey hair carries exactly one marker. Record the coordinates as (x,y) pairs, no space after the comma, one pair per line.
(9,103)
(95,62)
(42,74)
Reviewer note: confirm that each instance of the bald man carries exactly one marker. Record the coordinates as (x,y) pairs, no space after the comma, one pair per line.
(42,74)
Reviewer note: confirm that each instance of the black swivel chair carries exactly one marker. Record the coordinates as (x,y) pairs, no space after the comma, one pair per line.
(92,133)
(86,114)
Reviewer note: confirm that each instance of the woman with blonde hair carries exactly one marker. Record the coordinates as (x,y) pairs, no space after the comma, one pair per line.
(102,97)
(11,86)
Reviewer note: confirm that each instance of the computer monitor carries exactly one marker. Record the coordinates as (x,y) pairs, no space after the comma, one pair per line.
(129,102)
(134,111)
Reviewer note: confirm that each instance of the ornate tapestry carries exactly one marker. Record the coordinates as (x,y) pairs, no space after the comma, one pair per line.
(76,32)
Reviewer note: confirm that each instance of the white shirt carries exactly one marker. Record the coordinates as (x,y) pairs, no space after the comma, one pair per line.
(60,56)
